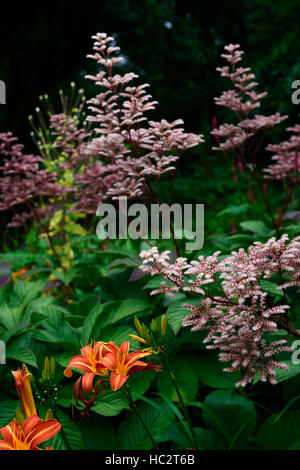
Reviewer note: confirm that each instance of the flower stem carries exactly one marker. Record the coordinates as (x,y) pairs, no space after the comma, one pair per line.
(134,408)
(183,407)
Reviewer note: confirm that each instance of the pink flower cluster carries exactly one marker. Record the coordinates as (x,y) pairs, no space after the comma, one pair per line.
(92,186)
(240,317)
(23,182)
(242,100)
(286,158)
(69,138)
(126,139)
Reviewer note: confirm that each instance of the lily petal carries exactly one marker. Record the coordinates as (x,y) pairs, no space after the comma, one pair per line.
(117,380)
(4,445)
(109,361)
(87,382)
(30,423)
(43,431)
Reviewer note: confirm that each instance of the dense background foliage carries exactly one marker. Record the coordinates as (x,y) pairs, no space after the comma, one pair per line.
(44,49)
(49,312)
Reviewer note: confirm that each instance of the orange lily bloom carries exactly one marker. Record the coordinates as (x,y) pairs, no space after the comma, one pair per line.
(22,383)
(90,362)
(18,274)
(28,435)
(123,364)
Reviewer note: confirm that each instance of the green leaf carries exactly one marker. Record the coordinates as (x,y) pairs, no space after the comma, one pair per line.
(14,331)
(141,382)
(282,374)
(74,229)
(66,277)
(57,330)
(210,371)
(110,313)
(131,433)
(65,396)
(155,282)
(69,437)
(281,434)
(98,434)
(185,377)
(295,445)
(118,335)
(232,415)
(208,439)
(122,309)
(270,287)
(22,354)
(110,403)
(10,317)
(255,226)
(234,210)
(175,315)
(177,435)
(41,302)
(24,292)
(64,359)
(90,322)
(8,411)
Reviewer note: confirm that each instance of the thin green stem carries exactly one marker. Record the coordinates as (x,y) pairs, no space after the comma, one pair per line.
(183,407)
(134,408)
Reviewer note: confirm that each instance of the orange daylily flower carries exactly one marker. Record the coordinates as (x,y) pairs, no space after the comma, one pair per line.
(90,362)
(27,436)
(123,364)
(18,274)
(22,383)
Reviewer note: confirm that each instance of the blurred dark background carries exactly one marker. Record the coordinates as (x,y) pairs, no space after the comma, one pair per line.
(174,45)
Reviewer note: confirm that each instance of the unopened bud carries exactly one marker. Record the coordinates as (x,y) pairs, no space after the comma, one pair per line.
(49,415)
(19,416)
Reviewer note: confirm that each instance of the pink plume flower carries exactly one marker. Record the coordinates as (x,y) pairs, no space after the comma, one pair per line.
(135,147)
(239,319)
